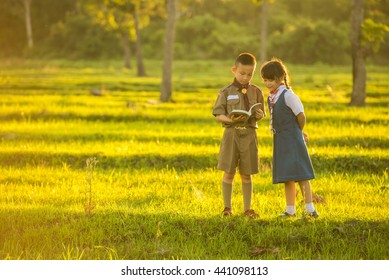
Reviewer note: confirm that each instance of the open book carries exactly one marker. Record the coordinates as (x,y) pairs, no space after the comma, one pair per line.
(236,112)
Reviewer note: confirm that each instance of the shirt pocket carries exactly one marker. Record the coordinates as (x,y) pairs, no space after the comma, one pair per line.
(232,104)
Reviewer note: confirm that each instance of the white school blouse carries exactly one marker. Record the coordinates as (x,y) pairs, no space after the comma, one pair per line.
(291,99)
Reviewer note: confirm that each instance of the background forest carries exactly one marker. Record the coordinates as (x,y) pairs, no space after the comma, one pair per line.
(74,29)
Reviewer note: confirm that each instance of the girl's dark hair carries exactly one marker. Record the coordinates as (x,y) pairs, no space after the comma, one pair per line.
(246,59)
(275,70)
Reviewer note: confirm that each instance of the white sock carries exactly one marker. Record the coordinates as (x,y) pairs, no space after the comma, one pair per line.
(309,207)
(291,209)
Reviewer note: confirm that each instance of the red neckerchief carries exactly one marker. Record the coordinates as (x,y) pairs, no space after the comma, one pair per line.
(272,96)
(243,90)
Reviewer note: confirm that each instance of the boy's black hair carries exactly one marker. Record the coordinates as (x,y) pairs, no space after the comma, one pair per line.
(274,70)
(245,59)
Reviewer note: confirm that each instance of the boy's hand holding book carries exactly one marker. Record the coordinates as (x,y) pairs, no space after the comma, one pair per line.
(243,115)
(258,114)
(238,118)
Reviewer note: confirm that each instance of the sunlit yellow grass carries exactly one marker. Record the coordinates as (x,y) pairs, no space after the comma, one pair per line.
(155,189)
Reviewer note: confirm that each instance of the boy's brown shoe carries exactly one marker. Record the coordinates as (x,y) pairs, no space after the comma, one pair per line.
(251,214)
(227,211)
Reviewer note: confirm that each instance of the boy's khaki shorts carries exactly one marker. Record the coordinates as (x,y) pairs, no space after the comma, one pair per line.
(239,148)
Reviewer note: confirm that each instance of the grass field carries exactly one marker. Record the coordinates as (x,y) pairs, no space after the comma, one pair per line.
(120,176)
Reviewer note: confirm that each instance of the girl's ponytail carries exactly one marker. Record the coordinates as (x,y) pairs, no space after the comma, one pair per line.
(286,80)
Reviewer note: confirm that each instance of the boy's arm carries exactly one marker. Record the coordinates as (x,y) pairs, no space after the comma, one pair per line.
(223,119)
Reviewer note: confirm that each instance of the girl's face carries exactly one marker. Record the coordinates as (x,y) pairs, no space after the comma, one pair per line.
(243,73)
(272,85)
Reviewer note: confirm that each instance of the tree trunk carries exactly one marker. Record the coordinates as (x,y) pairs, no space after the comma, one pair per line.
(166,87)
(358,53)
(138,44)
(27,15)
(127,50)
(262,54)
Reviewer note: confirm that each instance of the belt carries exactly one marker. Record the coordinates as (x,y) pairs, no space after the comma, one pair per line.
(240,127)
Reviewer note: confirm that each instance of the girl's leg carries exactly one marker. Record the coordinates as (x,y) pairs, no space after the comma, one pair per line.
(305,187)
(290,196)
(290,193)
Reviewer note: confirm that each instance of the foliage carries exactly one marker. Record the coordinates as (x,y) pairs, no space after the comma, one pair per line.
(319,42)
(196,40)
(373,34)
(205,29)
(156,192)
(79,37)
(45,13)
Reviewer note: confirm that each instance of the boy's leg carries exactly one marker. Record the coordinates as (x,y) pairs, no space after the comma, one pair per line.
(228,178)
(247,190)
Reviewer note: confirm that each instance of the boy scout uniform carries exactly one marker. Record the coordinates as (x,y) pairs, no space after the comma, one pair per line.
(239,145)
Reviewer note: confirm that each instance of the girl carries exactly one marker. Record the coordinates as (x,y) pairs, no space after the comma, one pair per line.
(291,162)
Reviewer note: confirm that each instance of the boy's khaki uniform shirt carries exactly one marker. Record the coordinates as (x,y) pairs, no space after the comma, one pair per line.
(239,147)
(231,98)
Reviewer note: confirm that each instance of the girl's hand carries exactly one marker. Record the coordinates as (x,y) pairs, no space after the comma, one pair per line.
(305,136)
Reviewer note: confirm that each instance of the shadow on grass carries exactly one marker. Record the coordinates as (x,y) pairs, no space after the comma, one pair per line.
(54,233)
(352,142)
(110,137)
(165,118)
(149,161)
(181,162)
(47,116)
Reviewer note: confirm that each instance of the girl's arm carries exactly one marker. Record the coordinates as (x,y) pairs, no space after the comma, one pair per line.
(301,119)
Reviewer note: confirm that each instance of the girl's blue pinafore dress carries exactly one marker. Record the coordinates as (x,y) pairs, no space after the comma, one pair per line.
(291,161)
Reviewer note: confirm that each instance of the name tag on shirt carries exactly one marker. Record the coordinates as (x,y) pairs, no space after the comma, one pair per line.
(232,97)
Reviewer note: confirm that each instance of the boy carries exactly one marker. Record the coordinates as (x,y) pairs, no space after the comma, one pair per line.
(238,147)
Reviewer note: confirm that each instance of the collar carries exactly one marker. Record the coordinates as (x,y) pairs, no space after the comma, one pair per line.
(239,85)
(280,88)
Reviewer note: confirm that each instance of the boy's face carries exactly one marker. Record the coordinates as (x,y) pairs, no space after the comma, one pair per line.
(243,73)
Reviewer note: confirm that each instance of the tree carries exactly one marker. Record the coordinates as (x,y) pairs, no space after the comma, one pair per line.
(27,15)
(264,11)
(166,87)
(358,54)
(125,18)
(262,53)
(138,45)
(366,36)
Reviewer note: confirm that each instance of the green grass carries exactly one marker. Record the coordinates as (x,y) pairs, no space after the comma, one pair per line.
(155,192)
